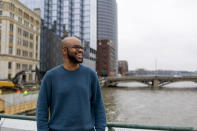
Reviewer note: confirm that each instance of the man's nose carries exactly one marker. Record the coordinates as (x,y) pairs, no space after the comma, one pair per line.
(80,50)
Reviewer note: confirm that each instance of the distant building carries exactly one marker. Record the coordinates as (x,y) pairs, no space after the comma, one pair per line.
(105,58)
(107,27)
(19,39)
(33,4)
(122,67)
(50,49)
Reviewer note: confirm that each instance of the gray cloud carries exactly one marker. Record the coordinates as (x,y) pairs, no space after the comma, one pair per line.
(165,30)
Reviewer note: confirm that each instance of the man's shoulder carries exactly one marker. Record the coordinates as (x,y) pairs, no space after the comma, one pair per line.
(89,70)
(54,70)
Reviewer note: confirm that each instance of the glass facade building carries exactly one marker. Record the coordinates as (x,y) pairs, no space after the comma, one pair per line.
(107,24)
(74,18)
(71,18)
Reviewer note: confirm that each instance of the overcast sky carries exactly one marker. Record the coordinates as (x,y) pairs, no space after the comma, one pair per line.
(158,34)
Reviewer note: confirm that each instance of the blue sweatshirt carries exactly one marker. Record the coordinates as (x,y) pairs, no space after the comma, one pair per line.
(70,101)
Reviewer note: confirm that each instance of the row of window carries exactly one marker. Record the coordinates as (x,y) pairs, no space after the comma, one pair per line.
(25,33)
(24,53)
(20,20)
(22,13)
(18,66)
(92,59)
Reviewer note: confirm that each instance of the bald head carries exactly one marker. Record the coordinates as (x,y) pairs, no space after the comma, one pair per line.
(68,41)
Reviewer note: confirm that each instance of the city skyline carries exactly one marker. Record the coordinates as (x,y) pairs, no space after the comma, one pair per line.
(156,30)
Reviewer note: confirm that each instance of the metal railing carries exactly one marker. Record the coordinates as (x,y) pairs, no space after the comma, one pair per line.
(111,125)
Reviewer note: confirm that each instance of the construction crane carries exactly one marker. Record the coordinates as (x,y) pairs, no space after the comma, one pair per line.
(14,83)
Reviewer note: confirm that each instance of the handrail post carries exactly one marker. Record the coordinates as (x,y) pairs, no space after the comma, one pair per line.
(110,128)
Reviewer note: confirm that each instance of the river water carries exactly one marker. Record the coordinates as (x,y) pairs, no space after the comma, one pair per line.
(174,105)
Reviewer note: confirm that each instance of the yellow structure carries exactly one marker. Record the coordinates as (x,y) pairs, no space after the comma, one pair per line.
(2,105)
(6,84)
(19,39)
(20,108)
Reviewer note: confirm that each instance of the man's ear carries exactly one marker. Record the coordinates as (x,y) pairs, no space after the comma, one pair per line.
(64,51)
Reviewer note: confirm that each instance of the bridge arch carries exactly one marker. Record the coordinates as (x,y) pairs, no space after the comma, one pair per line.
(177,82)
(151,81)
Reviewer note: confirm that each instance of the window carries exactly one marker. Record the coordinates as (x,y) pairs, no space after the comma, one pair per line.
(25,53)
(18,66)
(30,77)
(30,67)
(11,15)
(20,20)
(31,45)
(24,67)
(30,54)
(9,65)
(11,38)
(9,76)
(25,34)
(36,38)
(1,3)
(20,11)
(37,23)
(12,6)
(31,36)
(19,31)
(32,19)
(26,15)
(36,46)
(26,23)
(18,52)
(19,41)
(25,43)
(11,27)
(10,50)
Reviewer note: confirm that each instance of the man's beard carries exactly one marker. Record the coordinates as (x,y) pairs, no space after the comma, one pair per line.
(73,58)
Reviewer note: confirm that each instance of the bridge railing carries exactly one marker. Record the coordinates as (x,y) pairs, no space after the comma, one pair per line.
(111,125)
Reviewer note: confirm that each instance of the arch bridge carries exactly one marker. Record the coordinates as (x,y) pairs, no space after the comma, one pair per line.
(154,82)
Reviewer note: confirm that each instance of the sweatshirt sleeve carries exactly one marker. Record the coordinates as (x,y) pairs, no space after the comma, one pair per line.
(43,104)
(99,109)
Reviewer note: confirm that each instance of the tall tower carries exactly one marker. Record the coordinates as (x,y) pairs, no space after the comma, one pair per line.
(107,24)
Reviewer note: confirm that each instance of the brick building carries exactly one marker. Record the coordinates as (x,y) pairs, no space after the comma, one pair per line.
(122,67)
(105,58)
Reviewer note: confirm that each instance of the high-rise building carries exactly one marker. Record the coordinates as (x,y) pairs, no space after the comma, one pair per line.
(72,18)
(50,49)
(19,39)
(107,24)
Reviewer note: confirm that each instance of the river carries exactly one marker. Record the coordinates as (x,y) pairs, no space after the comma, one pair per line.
(174,105)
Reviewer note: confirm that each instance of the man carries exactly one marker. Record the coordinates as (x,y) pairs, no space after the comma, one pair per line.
(70,96)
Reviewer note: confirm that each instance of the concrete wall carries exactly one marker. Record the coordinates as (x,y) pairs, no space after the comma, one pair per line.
(17,125)
(14,99)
